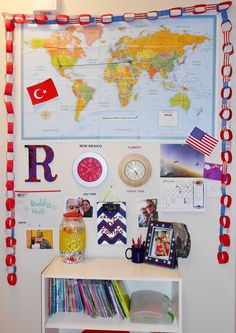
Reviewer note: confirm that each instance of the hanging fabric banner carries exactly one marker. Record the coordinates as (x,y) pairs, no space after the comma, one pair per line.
(111,220)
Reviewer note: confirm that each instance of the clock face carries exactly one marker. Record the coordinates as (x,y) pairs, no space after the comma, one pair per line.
(135,170)
(90,169)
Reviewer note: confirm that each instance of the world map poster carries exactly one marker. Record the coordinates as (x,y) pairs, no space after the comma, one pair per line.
(141,80)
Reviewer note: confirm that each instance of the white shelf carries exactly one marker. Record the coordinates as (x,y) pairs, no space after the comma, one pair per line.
(74,320)
(109,269)
(135,275)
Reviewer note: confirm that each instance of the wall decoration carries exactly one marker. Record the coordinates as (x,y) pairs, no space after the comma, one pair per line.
(168,82)
(160,244)
(80,205)
(226,137)
(111,222)
(147,211)
(201,141)
(106,92)
(33,163)
(182,240)
(42,92)
(39,239)
(180,161)
(90,169)
(10,221)
(135,170)
(182,195)
(38,209)
(212,171)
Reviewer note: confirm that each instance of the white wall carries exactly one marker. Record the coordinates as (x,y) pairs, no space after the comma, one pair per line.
(209,289)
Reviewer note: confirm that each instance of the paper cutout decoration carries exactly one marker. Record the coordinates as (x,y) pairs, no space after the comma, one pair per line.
(45,163)
(212,171)
(111,222)
(201,141)
(42,92)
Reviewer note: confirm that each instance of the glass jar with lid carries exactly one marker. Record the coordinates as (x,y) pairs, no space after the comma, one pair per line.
(72,238)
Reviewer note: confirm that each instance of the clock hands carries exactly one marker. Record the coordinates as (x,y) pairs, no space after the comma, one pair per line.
(133,169)
(90,169)
(85,166)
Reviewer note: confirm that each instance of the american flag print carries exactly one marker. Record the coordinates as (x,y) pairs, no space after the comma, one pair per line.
(201,141)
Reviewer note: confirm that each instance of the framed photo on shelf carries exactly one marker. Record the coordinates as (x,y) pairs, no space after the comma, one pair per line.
(160,244)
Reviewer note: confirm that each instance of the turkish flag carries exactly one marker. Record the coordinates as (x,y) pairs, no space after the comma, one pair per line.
(42,92)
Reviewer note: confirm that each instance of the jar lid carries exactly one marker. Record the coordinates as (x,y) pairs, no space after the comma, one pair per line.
(72,215)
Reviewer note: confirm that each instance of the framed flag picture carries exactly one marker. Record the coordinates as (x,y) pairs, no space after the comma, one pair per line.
(160,244)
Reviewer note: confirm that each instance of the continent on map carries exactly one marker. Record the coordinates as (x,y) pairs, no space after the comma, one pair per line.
(63,47)
(125,77)
(91,33)
(181,100)
(84,93)
(155,53)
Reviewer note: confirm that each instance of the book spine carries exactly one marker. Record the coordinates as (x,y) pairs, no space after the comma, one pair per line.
(109,297)
(49,296)
(89,298)
(54,295)
(114,301)
(79,303)
(97,302)
(86,306)
(121,298)
(120,309)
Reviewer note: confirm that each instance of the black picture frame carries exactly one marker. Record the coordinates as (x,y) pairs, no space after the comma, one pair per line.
(160,244)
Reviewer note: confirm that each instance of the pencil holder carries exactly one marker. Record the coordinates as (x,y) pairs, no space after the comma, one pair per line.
(136,254)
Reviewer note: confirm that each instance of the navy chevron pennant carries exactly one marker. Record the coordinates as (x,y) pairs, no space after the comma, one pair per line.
(111,224)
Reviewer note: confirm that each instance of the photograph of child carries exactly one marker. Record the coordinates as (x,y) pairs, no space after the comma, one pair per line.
(79,205)
(160,243)
(39,239)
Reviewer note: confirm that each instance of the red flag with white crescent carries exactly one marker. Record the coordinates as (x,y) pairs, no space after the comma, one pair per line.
(42,92)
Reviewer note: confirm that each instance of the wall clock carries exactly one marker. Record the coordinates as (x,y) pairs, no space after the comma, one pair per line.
(90,169)
(135,170)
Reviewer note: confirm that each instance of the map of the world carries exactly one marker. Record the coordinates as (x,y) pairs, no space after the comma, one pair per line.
(139,80)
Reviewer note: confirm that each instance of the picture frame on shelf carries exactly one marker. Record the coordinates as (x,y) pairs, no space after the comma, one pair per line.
(160,244)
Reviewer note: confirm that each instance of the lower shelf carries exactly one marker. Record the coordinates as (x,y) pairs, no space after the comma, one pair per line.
(73,320)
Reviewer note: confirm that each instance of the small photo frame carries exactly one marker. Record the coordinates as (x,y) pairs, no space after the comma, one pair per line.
(160,244)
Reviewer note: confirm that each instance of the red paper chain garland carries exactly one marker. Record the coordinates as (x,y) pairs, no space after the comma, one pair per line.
(226,137)
(225,114)
(85,19)
(10,156)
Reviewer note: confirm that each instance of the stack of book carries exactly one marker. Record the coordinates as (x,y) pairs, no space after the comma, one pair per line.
(96,298)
